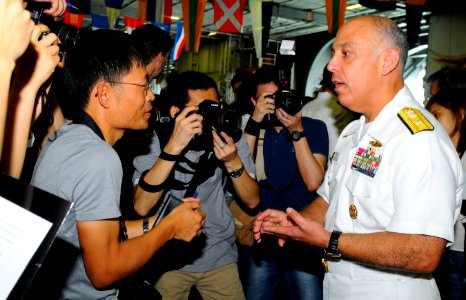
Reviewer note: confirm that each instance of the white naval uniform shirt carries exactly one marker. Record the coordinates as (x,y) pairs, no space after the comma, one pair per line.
(414,187)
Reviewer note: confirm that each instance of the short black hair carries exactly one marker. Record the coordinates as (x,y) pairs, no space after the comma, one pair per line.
(101,54)
(180,84)
(154,39)
(265,74)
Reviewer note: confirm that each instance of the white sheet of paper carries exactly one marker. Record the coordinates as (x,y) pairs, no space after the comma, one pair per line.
(21,233)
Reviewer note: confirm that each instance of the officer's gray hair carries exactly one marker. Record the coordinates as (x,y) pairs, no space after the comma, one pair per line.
(392,35)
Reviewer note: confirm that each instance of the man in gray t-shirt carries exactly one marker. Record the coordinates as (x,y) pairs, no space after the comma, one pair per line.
(79,164)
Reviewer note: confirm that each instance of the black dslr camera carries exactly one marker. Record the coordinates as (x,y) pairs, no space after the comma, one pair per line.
(218,118)
(67,34)
(288,101)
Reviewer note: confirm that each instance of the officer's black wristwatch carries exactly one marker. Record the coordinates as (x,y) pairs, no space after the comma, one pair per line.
(332,253)
(297,135)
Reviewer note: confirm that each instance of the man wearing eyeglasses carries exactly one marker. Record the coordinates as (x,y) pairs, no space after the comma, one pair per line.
(79,164)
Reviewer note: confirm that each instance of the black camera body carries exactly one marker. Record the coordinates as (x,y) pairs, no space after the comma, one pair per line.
(67,34)
(288,101)
(218,118)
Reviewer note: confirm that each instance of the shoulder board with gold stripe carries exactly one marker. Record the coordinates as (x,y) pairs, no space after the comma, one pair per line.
(414,120)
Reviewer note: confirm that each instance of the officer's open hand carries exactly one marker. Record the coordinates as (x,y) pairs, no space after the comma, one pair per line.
(299,229)
(270,218)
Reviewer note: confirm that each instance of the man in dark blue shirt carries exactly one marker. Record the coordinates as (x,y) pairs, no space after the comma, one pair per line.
(291,156)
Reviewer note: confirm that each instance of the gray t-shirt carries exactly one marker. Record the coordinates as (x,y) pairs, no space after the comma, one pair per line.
(80,167)
(219,228)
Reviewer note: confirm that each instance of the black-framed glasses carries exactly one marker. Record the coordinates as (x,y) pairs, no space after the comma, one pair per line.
(145,85)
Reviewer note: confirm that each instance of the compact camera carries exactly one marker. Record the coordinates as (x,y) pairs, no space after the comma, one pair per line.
(67,34)
(218,118)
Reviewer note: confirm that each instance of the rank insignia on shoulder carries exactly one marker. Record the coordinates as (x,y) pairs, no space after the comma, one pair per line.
(414,120)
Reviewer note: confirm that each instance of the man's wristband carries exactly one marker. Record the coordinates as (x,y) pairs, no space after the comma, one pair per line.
(252,127)
(150,188)
(168,157)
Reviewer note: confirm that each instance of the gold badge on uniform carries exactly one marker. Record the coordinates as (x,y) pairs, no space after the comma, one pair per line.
(375,143)
(353,211)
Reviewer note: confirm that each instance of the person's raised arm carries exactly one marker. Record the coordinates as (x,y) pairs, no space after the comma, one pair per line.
(186,126)
(311,165)
(245,186)
(262,106)
(15,33)
(33,69)
(107,260)
(410,252)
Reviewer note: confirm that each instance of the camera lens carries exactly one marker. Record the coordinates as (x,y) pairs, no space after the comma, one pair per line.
(288,101)
(219,118)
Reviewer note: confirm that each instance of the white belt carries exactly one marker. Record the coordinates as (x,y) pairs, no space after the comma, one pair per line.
(354,270)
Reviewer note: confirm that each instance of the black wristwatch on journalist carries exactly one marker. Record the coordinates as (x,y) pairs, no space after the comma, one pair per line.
(297,135)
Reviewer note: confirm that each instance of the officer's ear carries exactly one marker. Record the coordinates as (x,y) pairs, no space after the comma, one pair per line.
(391,60)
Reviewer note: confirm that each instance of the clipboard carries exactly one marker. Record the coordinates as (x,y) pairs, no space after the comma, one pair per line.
(35,205)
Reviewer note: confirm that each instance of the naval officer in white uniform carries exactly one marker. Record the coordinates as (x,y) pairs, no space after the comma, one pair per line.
(392,193)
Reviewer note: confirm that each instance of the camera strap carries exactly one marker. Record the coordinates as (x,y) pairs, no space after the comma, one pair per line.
(260,167)
(203,171)
(84,119)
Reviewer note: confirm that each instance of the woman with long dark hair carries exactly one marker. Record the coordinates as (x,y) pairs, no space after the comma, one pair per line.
(449,106)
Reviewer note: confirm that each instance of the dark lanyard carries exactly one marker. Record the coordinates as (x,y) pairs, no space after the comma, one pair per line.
(84,119)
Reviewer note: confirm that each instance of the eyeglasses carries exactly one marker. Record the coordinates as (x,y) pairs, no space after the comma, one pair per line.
(145,86)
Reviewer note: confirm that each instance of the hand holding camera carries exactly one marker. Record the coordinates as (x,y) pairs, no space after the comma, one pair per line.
(268,106)
(187,125)
(40,59)
(290,122)
(265,105)
(224,147)
(15,29)
(57,7)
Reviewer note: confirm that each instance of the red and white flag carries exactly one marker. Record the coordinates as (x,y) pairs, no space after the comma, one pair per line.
(228,15)
(131,23)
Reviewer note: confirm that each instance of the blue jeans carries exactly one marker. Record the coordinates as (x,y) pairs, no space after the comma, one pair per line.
(264,278)
(449,275)
(294,266)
